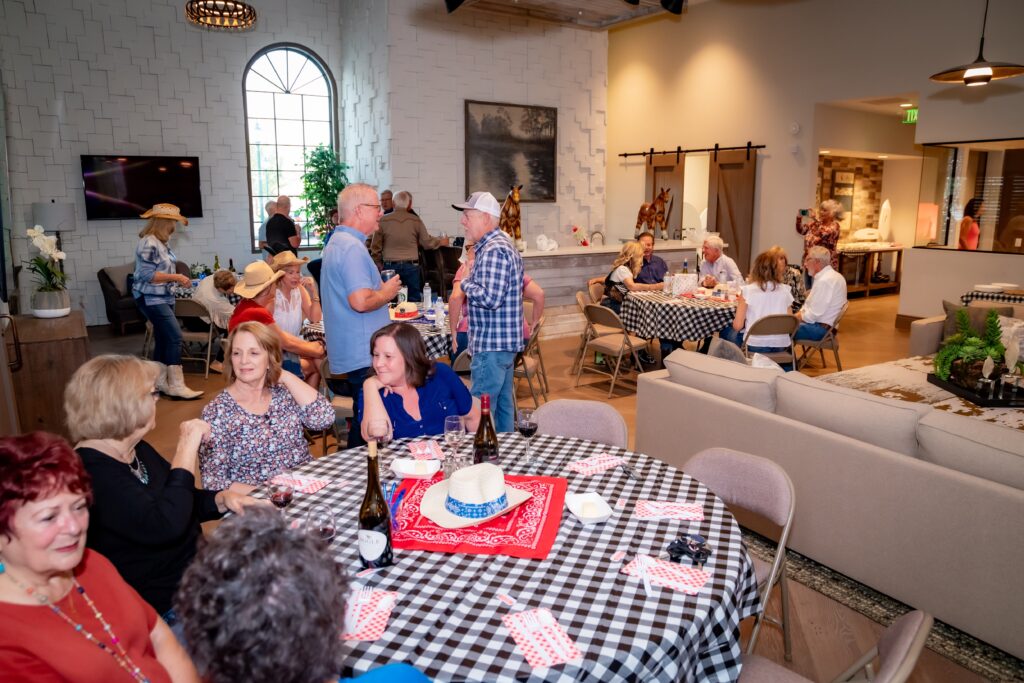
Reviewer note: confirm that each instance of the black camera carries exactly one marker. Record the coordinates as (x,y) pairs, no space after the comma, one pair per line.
(693,546)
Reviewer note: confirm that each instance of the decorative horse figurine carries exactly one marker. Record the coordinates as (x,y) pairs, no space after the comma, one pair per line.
(652,215)
(509,221)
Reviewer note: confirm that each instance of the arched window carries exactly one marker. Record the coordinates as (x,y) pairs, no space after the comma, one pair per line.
(289,110)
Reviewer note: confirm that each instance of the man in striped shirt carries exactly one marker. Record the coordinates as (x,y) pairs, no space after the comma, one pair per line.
(494,296)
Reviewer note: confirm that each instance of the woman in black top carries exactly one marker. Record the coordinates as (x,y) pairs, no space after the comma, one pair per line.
(146,512)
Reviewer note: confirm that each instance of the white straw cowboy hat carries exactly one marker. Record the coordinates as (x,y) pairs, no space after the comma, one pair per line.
(257,277)
(472,495)
(287,258)
(165,211)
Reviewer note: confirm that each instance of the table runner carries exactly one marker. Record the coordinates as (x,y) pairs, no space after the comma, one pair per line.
(656,315)
(449,624)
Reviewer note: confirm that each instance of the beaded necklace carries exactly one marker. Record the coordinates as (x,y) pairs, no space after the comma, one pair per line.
(138,468)
(120,655)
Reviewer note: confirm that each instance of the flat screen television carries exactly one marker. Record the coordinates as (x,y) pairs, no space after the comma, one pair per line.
(118,187)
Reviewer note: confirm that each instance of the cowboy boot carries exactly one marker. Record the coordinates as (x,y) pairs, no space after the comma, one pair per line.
(176,385)
(161,379)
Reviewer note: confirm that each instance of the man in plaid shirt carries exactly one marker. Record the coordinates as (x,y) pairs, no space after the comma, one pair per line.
(494,297)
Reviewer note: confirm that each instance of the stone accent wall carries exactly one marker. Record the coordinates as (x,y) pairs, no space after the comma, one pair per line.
(867,189)
(134,77)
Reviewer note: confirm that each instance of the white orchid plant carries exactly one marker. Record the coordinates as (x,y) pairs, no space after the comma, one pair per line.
(46,266)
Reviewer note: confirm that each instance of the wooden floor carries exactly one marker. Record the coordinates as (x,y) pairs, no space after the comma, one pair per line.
(827,636)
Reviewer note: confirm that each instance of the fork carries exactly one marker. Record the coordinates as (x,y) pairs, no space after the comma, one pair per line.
(359,598)
(536,630)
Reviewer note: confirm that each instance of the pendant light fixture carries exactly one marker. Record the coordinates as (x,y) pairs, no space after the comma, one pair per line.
(979,72)
(222,15)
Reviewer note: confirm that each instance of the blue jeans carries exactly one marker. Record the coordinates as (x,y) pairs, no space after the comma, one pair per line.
(492,374)
(166,332)
(410,275)
(729,334)
(810,331)
(461,343)
(352,385)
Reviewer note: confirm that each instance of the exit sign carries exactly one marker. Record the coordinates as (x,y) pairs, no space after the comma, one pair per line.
(910,115)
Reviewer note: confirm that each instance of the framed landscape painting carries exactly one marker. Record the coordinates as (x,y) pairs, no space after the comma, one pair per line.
(511,144)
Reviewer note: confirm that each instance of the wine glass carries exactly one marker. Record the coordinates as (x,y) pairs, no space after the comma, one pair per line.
(379,431)
(281,495)
(454,432)
(320,524)
(527,426)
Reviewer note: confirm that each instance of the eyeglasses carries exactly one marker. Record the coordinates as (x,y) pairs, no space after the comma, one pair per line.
(376,207)
(155,394)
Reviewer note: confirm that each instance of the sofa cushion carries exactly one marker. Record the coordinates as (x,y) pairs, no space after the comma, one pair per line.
(976,313)
(754,387)
(880,421)
(119,276)
(989,451)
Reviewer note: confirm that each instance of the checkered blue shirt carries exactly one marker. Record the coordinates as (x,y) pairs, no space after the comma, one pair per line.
(494,295)
(151,257)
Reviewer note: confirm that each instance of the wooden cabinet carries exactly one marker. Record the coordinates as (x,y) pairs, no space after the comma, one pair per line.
(51,351)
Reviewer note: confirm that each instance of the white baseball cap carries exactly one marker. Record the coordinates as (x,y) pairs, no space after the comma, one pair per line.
(481,201)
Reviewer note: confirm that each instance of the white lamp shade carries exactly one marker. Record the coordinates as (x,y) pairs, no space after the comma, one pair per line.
(53,216)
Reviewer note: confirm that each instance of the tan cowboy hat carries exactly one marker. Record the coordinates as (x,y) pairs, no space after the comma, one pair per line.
(287,258)
(472,495)
(165,211)
(257,277)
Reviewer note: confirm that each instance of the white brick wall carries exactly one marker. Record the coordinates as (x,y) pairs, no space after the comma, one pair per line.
(134,77)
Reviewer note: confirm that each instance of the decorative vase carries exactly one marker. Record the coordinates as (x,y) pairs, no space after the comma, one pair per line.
(968,374)
(51,304)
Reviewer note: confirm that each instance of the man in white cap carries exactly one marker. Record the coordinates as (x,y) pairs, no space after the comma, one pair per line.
(494,296)
(355,300)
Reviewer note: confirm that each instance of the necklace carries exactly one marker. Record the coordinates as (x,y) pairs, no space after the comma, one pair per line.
(138,468)
(116,649)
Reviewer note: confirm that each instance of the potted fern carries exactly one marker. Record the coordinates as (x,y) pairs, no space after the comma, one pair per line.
(323,180)
(962,355)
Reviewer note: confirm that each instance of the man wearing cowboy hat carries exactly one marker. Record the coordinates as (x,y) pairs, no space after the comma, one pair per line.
(354,297)
(257,288)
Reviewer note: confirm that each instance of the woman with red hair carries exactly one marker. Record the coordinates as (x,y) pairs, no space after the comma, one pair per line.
(65,612)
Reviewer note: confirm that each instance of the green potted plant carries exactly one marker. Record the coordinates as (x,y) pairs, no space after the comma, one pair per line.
(323,180)
(963,354)
(50,298)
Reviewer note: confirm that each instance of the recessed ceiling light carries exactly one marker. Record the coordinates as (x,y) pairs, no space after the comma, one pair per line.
(883,156)
(906,105)
(825,151)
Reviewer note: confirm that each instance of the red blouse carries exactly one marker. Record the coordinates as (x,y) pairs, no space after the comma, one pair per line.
(38,645)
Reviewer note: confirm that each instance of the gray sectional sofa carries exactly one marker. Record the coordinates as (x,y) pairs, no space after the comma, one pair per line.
(922,505)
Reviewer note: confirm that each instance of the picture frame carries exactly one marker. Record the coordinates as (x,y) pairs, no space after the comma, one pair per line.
(512,144)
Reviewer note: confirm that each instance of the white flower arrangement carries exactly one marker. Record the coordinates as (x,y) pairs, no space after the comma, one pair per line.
(46,266)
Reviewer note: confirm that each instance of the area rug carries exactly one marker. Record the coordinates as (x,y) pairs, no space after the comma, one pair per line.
(965,650)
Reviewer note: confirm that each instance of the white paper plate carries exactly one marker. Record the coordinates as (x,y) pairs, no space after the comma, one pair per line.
(589,508)
(994,289)
(1006,285)
(409,468)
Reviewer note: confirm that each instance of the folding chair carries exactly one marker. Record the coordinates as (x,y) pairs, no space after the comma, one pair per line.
(188,308)
(614,346)
(784,323)
(829,341)
(530,364)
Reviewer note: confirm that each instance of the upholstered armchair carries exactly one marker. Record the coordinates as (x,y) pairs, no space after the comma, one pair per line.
(117,296)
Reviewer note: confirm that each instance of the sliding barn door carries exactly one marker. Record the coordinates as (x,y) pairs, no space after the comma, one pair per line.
(666,170)
(731,202)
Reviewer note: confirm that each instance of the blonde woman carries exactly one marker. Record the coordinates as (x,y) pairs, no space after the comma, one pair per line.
(765,294)
(256,424)
(295,301)
(155,274)
(622,279)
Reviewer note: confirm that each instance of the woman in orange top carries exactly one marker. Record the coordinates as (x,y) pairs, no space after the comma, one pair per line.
(970,231)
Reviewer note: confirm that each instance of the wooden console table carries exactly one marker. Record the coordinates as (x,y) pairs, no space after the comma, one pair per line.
(857,266)
(51,350)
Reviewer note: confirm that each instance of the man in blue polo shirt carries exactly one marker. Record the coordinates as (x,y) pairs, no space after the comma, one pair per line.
(494,299)
(355,300)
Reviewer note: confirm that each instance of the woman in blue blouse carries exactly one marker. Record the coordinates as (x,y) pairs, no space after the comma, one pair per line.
(406,388)
(155,273)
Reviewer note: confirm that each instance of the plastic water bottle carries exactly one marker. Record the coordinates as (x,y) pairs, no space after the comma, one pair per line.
(686,265)
(427,298)
(439,314)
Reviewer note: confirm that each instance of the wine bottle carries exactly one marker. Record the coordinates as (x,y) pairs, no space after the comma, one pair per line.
(686,266)
(216,263)
(485,443)
(231,265)
(374,519)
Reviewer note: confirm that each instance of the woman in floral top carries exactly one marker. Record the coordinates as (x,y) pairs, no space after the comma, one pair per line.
(257,422)
(822,230)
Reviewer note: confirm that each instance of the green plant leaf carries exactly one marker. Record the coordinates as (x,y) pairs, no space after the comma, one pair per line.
(324,178)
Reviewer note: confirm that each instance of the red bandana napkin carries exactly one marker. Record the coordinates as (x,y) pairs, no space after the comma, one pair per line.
(301,483)
(528,531)
(679,577)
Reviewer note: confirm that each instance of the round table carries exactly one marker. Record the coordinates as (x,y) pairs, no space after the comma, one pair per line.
(656,315)
(438,342)
(447,621)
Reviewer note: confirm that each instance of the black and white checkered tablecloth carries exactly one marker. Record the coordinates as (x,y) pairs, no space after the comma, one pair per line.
(655,315)
(992,296)
(186,293)
(439,342)
(447,621)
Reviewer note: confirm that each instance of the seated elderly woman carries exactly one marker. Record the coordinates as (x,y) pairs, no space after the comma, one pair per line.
(622,278)
(65,612)
(213,292)
(287,599)
(146,512)
(256,424)
(408,390)
(764,295)
(296,300)
(792,277)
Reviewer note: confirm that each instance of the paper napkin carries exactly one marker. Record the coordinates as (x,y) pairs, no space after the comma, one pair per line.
(540,638)
(679,577)
(301,483)
(596,464)
(667,509)
(367,619)
(426,450)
